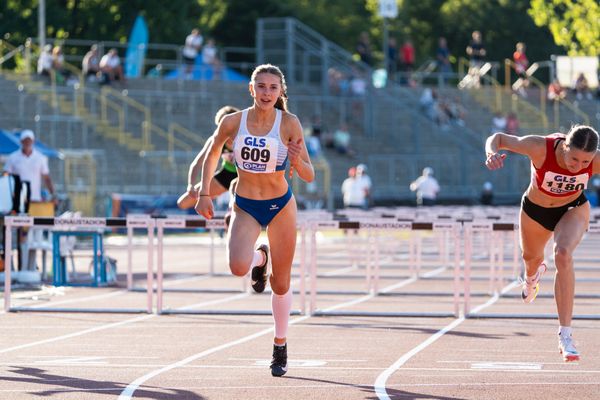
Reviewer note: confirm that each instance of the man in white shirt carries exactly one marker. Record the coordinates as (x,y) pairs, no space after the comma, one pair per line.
(110,65)
(191,49)
(31,166)
(44,66)
(427,188)
(356,189)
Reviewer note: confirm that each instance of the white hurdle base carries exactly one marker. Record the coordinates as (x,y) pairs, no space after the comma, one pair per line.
(591,317)
(323,313)
(80,310)
(224,312)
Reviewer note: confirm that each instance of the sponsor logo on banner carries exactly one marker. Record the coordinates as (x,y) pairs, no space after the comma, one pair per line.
(174,223)
(386,225)
(85,222)
(442,226)
(327,224)
(481,226)
(20,221)
(137,223)
(215,223)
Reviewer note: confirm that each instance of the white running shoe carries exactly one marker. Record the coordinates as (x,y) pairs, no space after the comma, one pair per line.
(532,287)
(567,348)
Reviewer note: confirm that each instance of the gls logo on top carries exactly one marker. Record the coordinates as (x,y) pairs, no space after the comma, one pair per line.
(255,142)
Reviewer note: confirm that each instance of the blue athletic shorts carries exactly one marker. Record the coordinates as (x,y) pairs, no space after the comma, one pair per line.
(263,211)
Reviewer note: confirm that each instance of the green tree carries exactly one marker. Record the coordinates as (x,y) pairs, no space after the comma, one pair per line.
(575,25)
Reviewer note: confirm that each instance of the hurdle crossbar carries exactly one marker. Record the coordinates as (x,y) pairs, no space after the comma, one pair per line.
(372,270)
(53,223)
(177,222)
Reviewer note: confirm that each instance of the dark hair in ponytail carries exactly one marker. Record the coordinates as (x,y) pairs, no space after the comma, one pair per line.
(281,102)
(582,137)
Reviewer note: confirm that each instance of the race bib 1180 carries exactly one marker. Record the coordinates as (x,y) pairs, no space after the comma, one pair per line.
(561,184)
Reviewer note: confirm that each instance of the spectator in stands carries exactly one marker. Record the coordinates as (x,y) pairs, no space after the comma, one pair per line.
(392,58)
(407,54)
(553,206)
(556,91)
(266,137)
(210,57)
(31,166)
(341,140)
(487,194)
(358,84)
(427,99)
(44,65)
(365,182)
(582,87)
(223,177)
(355,192)
(442,55)
(363,48)
(476,52)
(316,128)
(90,65)
(191,49)
(63,75)
(426,187)
(498,123)
(521,65)
(456,112)
(512,124)
(348,195)
(313,145)
(110,65)
(338,84)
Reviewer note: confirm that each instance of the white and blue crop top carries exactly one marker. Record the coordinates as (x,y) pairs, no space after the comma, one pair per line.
(260,154)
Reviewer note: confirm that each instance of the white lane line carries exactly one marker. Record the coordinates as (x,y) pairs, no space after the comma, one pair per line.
(387,289)
(35,303)
(340,271)
(75,334)
(132,387)
(380,382)
(103,327)
(479,384)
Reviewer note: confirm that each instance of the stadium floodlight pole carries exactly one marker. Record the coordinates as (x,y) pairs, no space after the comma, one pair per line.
(42,23)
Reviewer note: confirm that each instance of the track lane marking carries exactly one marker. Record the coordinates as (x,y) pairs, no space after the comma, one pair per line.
(380,382)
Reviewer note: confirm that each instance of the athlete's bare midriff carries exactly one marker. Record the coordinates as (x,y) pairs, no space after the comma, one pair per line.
(261,186)
(543,200)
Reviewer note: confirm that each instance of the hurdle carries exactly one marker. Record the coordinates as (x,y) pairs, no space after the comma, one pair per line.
(186,222)
(498,230)
(77,224)
(373,271)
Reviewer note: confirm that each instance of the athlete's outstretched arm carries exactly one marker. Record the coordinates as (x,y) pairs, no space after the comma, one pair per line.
(224,131)
(532,146)
(297,152)
(196,168)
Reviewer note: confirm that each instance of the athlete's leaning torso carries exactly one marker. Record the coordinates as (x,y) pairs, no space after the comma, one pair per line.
(553,186)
